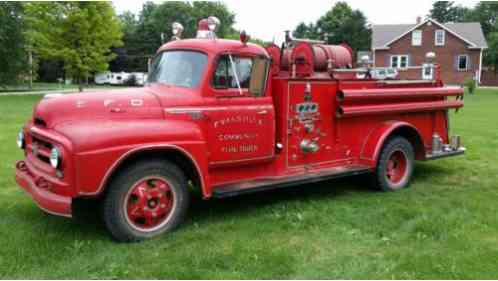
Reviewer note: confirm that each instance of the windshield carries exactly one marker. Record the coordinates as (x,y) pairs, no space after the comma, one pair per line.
(178,68)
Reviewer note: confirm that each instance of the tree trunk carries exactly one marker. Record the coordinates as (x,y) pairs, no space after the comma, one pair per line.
(30,70)
(80,84)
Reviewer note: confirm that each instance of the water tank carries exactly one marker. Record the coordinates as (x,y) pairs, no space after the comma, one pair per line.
(309,58)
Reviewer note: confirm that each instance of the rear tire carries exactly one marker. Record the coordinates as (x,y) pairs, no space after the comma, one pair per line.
(145,200)
(395,165)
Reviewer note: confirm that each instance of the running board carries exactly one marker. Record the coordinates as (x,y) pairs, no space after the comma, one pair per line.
(231,190)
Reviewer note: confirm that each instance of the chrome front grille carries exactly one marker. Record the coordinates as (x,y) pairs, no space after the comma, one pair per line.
(40,149)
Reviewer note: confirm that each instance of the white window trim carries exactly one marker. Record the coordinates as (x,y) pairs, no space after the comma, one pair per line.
(399,61)
(430,75)
(480,66)
(466,63)
(435,37)
(419,43)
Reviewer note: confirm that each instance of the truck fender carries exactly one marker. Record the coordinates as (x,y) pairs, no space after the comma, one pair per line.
(187,151)
(372,146)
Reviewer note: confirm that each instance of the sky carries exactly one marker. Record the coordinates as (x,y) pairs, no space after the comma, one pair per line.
(268,20)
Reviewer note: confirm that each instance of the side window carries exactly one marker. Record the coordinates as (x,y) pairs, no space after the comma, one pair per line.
(221,80)
(243,69)
(230,73)
(248,73)
(259,74)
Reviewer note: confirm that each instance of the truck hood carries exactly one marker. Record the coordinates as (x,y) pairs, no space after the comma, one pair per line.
(114,104)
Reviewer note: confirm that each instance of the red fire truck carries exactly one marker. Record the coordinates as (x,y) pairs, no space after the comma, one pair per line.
(227,118)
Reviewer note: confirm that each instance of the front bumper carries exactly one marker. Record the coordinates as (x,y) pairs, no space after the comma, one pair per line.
(39,189)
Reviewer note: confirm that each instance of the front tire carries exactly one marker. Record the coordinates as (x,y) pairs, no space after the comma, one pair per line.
(145,200)
(395,166)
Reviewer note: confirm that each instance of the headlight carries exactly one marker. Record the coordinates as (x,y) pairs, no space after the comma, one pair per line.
(55,157)
(20,139)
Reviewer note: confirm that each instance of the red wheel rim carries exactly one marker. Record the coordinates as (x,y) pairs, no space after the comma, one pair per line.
(397,167)
(149,203)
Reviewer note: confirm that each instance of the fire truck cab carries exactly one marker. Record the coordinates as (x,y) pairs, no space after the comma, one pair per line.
(229,117)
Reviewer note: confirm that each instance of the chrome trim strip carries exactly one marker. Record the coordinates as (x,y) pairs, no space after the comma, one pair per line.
(243,160)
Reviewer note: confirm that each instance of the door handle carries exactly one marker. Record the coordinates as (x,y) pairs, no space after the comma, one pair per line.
(263,112)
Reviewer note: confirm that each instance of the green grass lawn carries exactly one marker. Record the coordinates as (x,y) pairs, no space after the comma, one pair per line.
(444,226)
(42,86)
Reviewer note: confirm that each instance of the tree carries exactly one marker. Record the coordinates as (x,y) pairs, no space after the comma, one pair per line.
(123,61)
(491,55)
(462,14)
(81,34)
(204,9)
(189,14)
(342,24)
(142,36)
(308,31)
(446,11)
(486,12)
(13,58)
(442,11)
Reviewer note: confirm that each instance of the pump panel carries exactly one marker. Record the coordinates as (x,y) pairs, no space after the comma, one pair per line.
(310,123)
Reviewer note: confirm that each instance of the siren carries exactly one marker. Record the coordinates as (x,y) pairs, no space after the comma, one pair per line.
(244,37)
(176,29)
(213,23)
(206,29)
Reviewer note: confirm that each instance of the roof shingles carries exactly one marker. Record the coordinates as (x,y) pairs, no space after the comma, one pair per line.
(384,34)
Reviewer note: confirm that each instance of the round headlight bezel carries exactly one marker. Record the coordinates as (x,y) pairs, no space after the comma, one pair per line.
(55,157)
(21,140)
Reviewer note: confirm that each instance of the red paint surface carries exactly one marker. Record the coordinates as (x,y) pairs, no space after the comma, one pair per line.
(229,137)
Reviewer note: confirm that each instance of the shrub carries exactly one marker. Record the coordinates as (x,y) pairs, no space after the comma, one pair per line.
(471,85)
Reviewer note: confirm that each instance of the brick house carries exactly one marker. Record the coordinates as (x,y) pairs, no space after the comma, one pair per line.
(458,48)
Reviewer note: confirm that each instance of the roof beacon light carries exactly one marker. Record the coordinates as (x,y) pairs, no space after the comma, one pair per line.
(177,29)
(244,38)
(213,23)
(207,27)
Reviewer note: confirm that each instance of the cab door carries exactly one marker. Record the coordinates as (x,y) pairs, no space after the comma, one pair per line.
(241,127)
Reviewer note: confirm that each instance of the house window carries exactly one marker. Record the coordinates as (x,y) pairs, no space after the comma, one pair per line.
(399,61)
(439,37)
(463,63)
(427,71)
(417,38)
